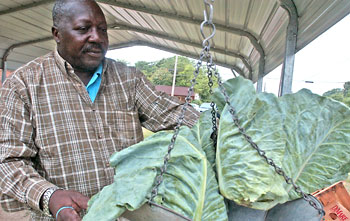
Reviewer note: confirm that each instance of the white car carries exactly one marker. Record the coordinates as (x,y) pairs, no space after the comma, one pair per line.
(204,107)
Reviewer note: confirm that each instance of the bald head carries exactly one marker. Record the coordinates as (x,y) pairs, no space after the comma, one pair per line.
(62,9)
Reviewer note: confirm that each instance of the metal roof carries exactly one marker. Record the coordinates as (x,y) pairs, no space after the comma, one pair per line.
(250,33)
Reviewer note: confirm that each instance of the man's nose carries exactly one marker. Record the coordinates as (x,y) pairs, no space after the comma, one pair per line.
(96,35)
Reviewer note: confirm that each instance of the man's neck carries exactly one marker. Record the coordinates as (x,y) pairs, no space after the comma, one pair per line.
(84,76)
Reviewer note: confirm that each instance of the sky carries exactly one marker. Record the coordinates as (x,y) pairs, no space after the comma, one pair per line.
(324,63)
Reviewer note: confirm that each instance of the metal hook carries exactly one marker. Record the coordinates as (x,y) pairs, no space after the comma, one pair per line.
(210,36)
(211,11)
(208,21)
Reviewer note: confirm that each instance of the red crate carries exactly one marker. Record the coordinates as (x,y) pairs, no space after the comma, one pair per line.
(336,202)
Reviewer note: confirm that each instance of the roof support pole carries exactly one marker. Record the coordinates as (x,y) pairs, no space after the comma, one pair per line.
(291,42)
(233,71)
(261,72)
(9,49)
(259,84)
(4,70)
(4,64)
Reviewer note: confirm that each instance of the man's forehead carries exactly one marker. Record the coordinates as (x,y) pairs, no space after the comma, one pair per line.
(82,10)
(79,5)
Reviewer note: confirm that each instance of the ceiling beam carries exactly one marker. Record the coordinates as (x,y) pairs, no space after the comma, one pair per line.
(25,43)
(9,49)
(172,50)
(238,70)
(119,26)
(21,44)
(229,29)
(124,45)
(24,7)
(225,28)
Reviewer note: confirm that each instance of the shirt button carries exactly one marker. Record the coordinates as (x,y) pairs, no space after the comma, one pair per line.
(99,136)
(107,164)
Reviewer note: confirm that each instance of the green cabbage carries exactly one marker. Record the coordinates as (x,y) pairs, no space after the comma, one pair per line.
(189,188)
(305,134)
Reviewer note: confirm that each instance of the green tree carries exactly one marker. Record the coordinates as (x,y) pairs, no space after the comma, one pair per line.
(339,94)
(161,73)
(123,61)
(146,67)
(161,76)
(347,101)
(347,89)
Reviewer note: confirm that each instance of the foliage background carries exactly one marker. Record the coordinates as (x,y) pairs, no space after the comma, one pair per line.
(340,94)
(161,73)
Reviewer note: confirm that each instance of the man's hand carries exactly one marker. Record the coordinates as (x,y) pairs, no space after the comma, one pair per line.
(68,198)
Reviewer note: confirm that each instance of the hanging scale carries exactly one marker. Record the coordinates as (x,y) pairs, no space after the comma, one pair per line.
(205,56)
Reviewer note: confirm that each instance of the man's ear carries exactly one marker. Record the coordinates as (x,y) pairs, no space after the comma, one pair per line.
(56,34)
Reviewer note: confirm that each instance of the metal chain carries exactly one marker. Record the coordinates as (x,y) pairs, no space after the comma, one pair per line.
(309,198)
(180,119)
(208,21)
(212,105)
(211,67)
(204,55)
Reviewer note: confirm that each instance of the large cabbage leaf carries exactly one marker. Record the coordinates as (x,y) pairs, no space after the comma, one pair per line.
(233,87)
(203,131)
(318,140)
(189,186)
(305,134)
(243,175)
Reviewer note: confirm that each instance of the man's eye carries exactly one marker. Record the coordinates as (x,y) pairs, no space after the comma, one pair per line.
(82,28)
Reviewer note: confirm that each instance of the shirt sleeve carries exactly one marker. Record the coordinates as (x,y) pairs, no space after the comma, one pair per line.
(159,111)
(18,178)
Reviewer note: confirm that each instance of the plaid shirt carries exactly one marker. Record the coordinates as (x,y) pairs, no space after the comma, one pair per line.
(51,134)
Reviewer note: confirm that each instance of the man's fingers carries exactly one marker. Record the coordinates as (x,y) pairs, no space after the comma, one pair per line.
(80,200)
(68,214)
(68,198)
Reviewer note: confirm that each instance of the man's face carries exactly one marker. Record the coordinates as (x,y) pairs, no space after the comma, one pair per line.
(81,37)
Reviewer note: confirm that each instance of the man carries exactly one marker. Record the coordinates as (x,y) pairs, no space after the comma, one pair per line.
(64,114)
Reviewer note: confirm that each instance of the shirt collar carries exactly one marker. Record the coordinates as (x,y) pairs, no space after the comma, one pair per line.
(99,70)
(66,67)
(96,75)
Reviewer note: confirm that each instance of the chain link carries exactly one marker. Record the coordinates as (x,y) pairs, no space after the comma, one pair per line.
(212,104)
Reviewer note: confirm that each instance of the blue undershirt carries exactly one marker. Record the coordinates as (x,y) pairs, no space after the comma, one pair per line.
(94,83)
